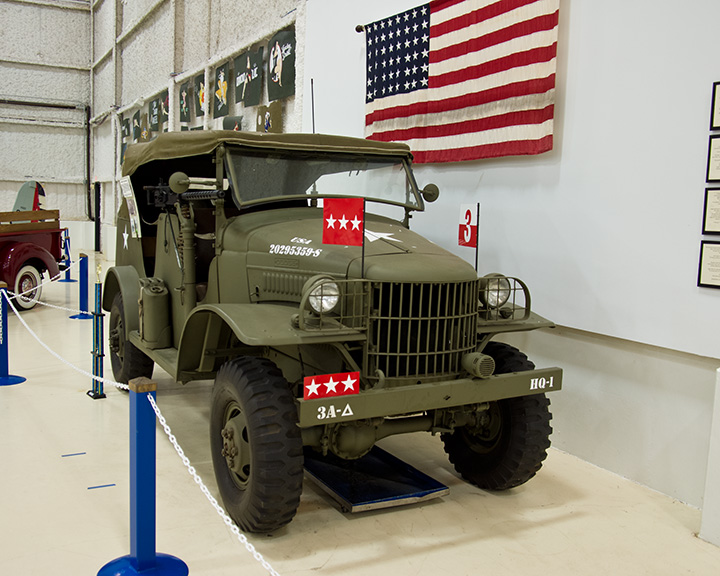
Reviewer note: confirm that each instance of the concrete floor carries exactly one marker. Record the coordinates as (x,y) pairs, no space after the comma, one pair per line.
(64,493)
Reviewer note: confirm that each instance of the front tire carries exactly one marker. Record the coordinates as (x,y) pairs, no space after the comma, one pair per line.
(27,282)
(256,444)
(127,361)
(509,442)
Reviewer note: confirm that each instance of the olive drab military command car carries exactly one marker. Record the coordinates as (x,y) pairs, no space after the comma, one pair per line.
(326,323)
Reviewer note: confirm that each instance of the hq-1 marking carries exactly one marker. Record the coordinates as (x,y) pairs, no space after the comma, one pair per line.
(541,383)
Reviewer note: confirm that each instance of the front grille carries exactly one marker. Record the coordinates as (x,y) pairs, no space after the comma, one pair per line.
(282,285)
(420,330)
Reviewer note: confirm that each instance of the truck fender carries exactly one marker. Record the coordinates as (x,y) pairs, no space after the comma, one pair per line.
(202,332)
(208,328)
(15,255)
(254,325)
(123,279)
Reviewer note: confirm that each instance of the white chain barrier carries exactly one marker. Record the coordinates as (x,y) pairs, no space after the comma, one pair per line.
(163,422)
(48,281)
(55,354)
(73,310)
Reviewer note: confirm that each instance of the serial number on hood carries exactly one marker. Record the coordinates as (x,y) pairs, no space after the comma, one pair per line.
(288,250)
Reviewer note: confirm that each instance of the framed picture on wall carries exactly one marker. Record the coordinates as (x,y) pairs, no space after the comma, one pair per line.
(711,211)
(715,108)
(709,268)
(713,161)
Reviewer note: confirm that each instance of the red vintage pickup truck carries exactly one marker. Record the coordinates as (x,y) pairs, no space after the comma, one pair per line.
(30,245)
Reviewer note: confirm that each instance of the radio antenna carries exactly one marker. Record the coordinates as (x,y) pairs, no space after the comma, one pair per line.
(312,102)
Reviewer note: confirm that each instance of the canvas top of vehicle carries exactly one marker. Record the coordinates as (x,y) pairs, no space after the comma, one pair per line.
(269,167)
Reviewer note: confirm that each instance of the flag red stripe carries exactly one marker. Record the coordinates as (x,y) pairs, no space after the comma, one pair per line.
(514,148)
(540,23)
(523,117)
(524,88)
(517,60)
(437,5)
(474,17)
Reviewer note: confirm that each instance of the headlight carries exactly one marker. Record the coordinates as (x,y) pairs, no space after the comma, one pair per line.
(494,290)
(324,296)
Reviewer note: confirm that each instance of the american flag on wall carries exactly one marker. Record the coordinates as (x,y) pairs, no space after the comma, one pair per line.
(464,79)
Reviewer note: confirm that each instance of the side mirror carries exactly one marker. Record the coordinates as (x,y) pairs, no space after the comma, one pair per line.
(179,182)
(430,193)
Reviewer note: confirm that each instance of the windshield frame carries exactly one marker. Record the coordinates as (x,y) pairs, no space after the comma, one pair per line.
(232,168)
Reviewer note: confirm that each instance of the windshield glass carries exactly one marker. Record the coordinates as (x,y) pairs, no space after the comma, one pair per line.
(270,176)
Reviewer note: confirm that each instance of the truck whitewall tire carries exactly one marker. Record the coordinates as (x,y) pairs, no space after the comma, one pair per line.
(28,277)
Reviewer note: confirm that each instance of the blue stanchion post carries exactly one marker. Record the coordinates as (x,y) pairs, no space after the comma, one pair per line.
(143,558)
(83,300)
(68,260)
(6,379)
(97,392)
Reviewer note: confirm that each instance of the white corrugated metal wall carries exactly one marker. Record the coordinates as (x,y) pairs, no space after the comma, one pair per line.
(44,92)
(66,60)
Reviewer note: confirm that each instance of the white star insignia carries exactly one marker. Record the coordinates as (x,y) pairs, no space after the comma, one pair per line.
(330,385)
(372,236)
(331,222)
(343,222)
(125,238)
(356,223)
(313,388)
(349,383)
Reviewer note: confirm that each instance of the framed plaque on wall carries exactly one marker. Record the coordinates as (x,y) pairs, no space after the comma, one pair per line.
(713,160)
(711,211)
(709,267)
(715,108)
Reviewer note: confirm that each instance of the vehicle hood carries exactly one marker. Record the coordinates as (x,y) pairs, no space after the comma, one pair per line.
(291,240)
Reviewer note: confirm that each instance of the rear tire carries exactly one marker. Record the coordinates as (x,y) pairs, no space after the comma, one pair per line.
(127,361)
(508,445)
(27,279)
(256,444)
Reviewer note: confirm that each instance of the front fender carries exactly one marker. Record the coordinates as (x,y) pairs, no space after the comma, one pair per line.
(15,255)
(123,279)
(255,325)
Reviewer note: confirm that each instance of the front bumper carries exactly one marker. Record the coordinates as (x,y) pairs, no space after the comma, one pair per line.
(378,403)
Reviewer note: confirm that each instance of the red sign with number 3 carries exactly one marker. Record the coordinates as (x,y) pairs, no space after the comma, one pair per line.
(468,231)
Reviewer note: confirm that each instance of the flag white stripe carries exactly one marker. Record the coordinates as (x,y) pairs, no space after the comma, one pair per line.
(499,135)
(540,39)
(491,25)
(520,103)
(463,8)
(521,74)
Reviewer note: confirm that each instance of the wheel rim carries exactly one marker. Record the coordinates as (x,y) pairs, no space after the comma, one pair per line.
(26,284)
(27,280)
(487,435)
(117,339)
(236,446)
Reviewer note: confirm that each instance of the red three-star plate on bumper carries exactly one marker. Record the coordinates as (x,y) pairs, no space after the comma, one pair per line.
(331,385)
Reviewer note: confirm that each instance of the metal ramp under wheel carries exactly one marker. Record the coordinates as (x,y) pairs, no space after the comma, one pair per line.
(377,480)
